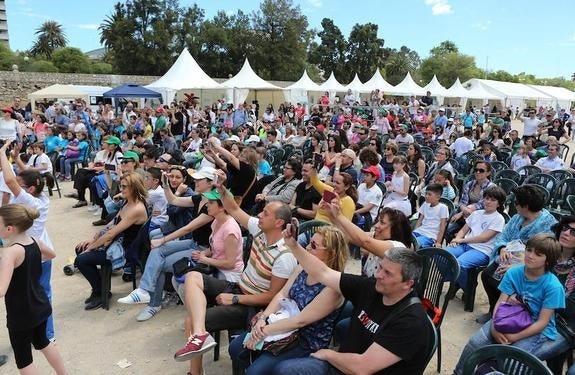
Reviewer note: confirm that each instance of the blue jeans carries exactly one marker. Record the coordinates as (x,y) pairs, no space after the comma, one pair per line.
(302,366)
(261,363)
(162,260)
(571,370)
(66,165)
(45,282)
(468,258)
(538,345)
(423,241)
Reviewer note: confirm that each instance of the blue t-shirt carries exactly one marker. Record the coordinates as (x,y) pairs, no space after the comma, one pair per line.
(467,120)
(544,293)
(264,168)
(51,143)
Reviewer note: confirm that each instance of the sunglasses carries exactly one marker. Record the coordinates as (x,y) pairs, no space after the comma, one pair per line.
(314,245)
(566,227)
(127,161)
(479,170)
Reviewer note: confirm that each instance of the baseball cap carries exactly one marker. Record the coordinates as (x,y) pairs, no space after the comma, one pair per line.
(348,152)
(373,127)
(234,138)
(113,141)
(373,170)
(130,155)
(160,109)
(441,110)
(212,195)
(8,109)
(450,119)
(427,131)
(205,172)
(253,138)
(320,128)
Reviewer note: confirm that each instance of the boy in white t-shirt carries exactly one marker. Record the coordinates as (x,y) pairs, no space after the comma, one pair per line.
(156,198)
(432,219)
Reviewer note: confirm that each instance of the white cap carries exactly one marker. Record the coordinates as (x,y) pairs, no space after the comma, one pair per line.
(373,127)
(205,172)
(253,138)
(450,119)
(441,109)
(234,138)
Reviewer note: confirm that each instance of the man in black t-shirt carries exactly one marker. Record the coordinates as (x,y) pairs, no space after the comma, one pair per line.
(397,348)
(305,199)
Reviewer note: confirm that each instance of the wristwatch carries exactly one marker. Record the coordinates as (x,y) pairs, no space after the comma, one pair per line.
(235,299)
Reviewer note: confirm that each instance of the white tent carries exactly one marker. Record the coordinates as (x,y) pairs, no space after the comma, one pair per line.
(408,87)
(297,92)
(561,97)
(356,86)
(378,83)
(332,85)
(457,91)
(435,87)
(57,91)
(514,94)
(185,73)
(245,80)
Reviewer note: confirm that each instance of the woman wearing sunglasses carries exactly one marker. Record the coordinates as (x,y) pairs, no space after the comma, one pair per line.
(123,229)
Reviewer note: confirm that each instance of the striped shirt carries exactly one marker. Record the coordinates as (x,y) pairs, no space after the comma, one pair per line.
(266,260)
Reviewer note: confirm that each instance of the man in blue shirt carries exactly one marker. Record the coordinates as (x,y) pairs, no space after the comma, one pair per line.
(441,119)
(467,119)
(240,116)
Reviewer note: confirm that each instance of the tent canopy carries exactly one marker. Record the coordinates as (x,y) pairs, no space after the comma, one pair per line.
(508,89)
(304,83)
(131,91)
(376,82)
(248,79)
(408,87)
(435,87)
(356,86)
(332,85)
(57,91)
(185,73)
(479,92)
(457,90)
(559,93)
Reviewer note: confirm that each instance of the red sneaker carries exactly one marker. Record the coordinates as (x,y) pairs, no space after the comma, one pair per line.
(196,345)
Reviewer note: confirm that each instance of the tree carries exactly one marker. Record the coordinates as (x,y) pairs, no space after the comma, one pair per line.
(7,57)
(71,60)
(42,66)
(448,64)
(365,51)
(281,39)
(51,36)
(502,75)
(330,54)
(101,68)
(573,77)
(399,62)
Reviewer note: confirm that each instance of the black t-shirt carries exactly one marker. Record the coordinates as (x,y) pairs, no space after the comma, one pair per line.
(405,336)
(306,198)
(556,133)
(177,128)
(202,234)
(240,181)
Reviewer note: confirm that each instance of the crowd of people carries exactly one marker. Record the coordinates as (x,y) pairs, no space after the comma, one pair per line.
(220,187)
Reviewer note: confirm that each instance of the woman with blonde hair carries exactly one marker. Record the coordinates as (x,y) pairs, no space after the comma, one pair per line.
(317,308)
(122,230)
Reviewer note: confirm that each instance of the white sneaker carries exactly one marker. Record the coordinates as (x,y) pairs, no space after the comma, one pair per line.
(98,211)
(93,207)
(148,313)
(137,296)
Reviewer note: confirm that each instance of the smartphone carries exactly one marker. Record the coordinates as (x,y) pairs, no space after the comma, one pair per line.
(294,228)
(110,167)
(328,196)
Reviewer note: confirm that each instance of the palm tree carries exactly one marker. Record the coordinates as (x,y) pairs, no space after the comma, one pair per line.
(51,36)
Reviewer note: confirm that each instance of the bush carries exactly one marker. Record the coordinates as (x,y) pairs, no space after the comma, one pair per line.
(42,66)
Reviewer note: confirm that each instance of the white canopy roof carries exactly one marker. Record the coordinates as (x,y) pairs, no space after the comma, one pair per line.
(248,79)
(435,87)
(57,91)
(356,86)
(185,73)
(508,89)
(93,90)
(457,90)
(559,93)
(332,85)
(479,92)
(378,83)
(408,87)
(304,83)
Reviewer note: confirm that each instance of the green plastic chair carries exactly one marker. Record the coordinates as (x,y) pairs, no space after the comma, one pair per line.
(506,359)
(309,227)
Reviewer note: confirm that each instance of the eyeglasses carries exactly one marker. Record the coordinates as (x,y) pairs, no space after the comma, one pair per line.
(566,227)
(315,246)
(479,170)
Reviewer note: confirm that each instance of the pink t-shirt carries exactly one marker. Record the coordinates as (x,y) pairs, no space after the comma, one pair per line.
(217,240)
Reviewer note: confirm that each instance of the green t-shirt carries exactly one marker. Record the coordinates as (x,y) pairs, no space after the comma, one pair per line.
(160,123)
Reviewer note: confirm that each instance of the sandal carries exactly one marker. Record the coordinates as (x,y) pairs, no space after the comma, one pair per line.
(80,204)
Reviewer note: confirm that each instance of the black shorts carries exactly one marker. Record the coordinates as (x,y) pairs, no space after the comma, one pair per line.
(21,342)
(220,317)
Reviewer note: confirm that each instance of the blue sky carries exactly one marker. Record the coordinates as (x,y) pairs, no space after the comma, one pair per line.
(516,36)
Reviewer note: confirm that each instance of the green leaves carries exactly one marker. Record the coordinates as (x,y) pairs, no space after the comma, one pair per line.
(51,36)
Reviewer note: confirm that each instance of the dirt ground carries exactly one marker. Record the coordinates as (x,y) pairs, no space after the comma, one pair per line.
(92,342)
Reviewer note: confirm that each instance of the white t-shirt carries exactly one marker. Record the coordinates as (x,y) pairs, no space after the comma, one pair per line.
(36,161)
(9,129)
(462,145)
(530,126)
(404,139)
(478,222)
(42,204)
(431,219)
(518,161)
(549,164)
(371,195)
(157,200)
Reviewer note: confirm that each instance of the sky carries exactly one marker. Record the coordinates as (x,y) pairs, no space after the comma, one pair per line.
(512,35)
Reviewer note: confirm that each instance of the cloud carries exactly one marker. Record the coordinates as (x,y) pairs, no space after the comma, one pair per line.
(88,26)
(29,12)
(315,3)
(481,26)
(439,7)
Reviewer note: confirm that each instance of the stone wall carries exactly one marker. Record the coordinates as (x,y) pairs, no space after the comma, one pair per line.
(21,84)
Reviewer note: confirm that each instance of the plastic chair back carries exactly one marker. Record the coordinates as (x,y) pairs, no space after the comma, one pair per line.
(509,174)
(507,359)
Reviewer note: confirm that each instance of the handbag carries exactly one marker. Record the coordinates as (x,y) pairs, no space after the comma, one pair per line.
(279,346)
(512,317)
(186,264)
